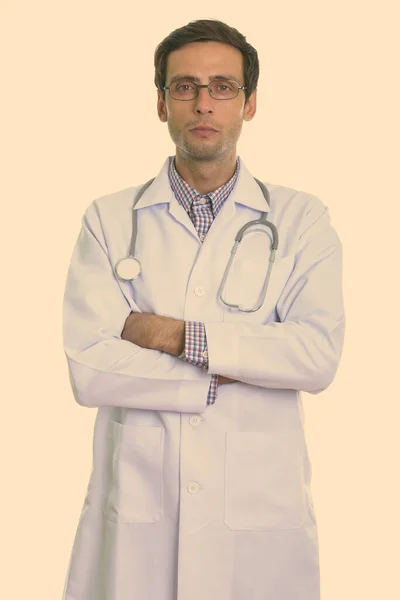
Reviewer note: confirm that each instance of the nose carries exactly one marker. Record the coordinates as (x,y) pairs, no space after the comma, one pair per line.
(203,102)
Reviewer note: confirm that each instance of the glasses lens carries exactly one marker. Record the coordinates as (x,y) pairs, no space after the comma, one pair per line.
(183,90)
(223,89)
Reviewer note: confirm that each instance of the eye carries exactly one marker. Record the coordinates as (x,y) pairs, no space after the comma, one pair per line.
(223,87)
(184,86)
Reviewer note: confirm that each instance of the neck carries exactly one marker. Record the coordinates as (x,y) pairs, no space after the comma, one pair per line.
(205,176)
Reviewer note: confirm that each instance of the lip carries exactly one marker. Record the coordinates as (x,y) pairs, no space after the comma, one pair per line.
(203,133)
(203,128)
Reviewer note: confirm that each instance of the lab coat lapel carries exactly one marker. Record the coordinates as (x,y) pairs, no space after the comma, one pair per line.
(159,192)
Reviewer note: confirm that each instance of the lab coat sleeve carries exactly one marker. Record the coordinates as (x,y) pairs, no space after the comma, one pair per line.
(303,350)
(105,370)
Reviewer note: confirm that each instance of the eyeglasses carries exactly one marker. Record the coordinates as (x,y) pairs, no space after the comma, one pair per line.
(219,89)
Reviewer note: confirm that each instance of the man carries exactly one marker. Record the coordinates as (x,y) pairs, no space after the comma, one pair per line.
(200,485)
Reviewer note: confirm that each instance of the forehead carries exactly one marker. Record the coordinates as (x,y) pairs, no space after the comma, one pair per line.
(205,59)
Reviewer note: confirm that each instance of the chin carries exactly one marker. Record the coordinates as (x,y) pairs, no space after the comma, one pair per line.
(203,153)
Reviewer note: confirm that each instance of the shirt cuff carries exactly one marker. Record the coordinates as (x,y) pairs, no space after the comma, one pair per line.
(212,390)
(196,353)
(195,350)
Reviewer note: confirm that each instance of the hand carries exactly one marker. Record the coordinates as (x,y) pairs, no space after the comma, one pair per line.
(139,329)
(222,380)
(155,332)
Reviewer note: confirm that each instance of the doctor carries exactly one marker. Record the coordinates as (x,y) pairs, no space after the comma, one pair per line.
(200,486)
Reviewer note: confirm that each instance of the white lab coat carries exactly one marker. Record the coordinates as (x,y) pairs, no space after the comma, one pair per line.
(188,501)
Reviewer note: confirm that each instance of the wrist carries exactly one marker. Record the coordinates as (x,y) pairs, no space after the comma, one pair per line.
(179,349)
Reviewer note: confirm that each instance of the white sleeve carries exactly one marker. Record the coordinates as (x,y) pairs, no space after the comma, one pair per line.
(104,369)
(302,352)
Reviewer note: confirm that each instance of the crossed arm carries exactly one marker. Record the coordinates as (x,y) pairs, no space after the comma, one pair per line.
(301,351)
(154,332)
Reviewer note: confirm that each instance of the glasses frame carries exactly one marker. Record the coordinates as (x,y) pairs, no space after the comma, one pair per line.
(198,86)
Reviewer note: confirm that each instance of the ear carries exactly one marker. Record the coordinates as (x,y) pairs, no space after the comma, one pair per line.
(250,107)
(161,108)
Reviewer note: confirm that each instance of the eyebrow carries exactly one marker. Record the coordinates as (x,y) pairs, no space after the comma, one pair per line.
(197,80)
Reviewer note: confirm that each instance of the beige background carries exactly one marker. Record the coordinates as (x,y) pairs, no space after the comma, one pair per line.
(79,121)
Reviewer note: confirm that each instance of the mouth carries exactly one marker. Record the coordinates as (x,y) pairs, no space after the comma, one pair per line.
(203,131)
(203,128)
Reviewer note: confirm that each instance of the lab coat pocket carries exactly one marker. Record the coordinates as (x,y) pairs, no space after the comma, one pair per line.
(264,487)
(245,282)
(135,484)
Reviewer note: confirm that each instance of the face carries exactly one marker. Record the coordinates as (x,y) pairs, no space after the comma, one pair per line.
(205,61)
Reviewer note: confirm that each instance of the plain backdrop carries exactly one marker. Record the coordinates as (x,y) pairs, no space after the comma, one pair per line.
(79,121)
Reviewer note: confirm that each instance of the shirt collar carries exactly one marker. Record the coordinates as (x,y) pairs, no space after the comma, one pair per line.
(246,192)
(186,194)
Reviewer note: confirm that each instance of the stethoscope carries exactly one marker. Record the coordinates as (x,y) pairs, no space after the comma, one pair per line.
(129,268)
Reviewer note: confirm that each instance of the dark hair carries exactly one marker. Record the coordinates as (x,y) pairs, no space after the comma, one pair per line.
(201,31)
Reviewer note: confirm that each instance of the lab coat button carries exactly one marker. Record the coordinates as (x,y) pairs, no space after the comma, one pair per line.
(202,237)
(205,354)
(194,420)
(193,487)
(199,291)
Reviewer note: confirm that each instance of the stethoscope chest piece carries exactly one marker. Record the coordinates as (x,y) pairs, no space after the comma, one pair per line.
(128,268)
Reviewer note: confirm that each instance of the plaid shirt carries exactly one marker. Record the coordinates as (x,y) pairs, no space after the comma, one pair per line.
(202,210)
